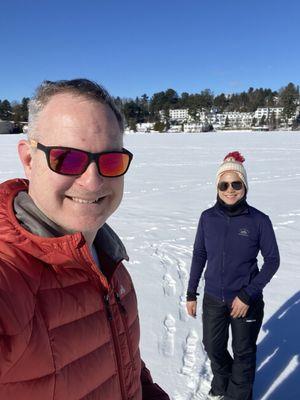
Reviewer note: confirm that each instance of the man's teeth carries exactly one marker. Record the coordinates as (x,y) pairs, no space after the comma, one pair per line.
(82,201)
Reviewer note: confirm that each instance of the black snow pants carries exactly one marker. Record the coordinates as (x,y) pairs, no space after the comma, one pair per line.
(232,377)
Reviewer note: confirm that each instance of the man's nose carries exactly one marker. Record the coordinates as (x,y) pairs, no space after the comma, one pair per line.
(91,179)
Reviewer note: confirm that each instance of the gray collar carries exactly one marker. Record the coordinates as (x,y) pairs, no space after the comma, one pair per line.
(36,222)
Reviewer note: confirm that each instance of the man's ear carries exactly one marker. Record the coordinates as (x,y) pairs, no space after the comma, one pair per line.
(24,150)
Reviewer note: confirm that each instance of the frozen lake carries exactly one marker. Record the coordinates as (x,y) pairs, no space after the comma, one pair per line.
(171,181)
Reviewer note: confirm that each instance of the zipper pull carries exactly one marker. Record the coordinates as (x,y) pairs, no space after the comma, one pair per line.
(118,299)
(107,306)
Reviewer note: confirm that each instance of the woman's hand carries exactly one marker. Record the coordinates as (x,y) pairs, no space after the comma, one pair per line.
(191,307)
(238,308)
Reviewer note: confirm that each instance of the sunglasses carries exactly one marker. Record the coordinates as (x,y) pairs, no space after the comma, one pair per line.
(70,161)
(236,185)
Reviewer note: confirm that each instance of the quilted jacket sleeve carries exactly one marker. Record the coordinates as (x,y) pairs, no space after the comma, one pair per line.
(151,391)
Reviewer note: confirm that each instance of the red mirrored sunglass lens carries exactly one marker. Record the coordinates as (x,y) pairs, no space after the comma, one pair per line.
(69,162)
(75,162)
(113,164)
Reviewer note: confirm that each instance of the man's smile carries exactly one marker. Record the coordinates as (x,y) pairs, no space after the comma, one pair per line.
(86,201)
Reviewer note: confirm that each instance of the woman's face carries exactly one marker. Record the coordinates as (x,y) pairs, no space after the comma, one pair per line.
(230,196)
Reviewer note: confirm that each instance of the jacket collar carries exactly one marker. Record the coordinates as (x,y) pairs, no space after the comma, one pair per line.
(24,225)
(239,208)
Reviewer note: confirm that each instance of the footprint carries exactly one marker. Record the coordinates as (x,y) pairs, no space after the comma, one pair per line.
(168,340)
(204,376)
(182,272)
(189,357)
(189,367)
(198,375)
(177,396)
(169,285)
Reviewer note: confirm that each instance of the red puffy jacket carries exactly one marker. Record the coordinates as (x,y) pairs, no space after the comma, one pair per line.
(67,331)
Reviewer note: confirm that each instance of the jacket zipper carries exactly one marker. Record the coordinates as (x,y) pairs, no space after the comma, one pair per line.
(116,346)
(124,319)
(95,269)
(223,261)
(109,313)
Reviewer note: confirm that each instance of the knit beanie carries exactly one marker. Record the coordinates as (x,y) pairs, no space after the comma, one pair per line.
(233,162)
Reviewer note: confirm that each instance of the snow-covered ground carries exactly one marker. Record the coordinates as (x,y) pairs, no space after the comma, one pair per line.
(172,179)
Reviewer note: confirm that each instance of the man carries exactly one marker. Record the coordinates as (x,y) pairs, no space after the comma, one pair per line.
(68,324)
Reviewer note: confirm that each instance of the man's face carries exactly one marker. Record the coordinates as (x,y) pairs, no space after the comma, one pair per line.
(69,201)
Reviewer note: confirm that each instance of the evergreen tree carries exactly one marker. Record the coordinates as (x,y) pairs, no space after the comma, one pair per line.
(254,121)
(296,123)
(132,125)
(206,99)
(262,121)
(133,112)
(144,109)
(288,97)
(5,110)
(20,111)
(159,126)
(184,100)
(118,102)
(144,104)
(194,114)
(272,122)
(171,99)
(227,122)
(157,103)
(24,103)
(221,102)
(167,118)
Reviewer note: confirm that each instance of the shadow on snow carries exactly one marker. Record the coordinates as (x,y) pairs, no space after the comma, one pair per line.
(277,349)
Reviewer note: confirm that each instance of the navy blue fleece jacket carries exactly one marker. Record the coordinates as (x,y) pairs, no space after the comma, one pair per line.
(230,245)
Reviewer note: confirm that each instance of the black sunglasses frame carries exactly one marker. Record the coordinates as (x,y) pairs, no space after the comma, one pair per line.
(91,157)
(223,186)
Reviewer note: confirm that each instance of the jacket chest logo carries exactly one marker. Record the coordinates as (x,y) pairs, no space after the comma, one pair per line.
(244,232)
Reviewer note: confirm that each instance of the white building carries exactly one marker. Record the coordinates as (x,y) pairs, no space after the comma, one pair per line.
(231,119)
(145,127)
(193,127)
(178,115)
(6,127)
(238,119)
(175,128)
(268,112)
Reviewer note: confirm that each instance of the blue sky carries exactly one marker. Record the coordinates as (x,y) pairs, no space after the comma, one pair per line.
(141,46)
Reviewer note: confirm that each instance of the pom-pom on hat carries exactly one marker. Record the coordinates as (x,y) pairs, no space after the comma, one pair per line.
(233,162)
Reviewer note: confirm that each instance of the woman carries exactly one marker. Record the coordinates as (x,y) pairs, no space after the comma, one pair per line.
(229,237)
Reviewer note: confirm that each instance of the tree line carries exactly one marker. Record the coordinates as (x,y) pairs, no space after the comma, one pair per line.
(146,109)
(15,112)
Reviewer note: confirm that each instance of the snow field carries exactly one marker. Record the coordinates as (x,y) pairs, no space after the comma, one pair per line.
(171,181)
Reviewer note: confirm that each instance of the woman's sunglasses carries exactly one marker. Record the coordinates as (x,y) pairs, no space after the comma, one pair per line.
(236,185)
(69,161)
